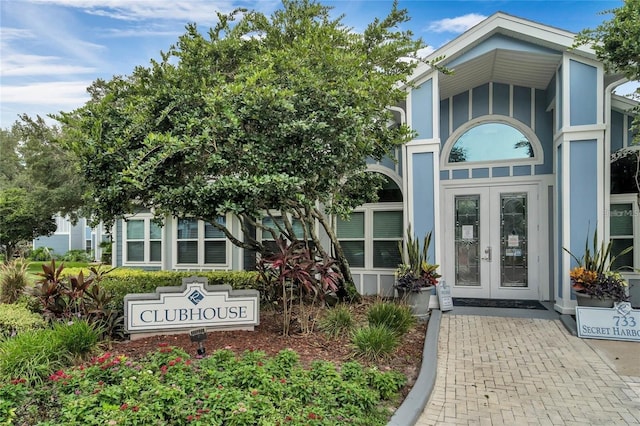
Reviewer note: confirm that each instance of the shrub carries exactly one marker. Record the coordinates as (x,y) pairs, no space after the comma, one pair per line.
(42,254)
(16,318)
(387,384)
(167,387)
(79,338)
(68,297)
(120,282)
(77,256)
(337,321)
(374,342)
(32,355)
(13,280)
(397,318)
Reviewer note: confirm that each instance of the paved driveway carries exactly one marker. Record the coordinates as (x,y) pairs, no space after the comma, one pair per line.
(526,371)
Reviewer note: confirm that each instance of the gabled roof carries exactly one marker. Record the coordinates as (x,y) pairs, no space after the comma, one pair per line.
(503,48)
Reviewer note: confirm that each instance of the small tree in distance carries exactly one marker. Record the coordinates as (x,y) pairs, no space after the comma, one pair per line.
(267,115)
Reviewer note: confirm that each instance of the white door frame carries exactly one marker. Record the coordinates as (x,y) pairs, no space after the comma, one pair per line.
(536,187)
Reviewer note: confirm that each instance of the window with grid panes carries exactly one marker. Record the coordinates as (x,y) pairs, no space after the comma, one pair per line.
(267,238)
(143,240)
(621,227)
(370,237)
(200,243)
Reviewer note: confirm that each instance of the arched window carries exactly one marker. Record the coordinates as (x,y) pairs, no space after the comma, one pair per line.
(371,235)
(491,142)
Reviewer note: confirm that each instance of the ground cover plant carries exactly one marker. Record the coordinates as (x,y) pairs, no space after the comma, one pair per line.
(169,387)
(127,394)
(40,361)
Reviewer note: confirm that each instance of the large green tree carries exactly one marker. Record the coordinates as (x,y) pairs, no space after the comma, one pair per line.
(21,219)
(617,44)
(261,114)
(38,179)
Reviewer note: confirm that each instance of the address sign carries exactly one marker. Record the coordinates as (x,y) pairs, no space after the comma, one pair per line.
(619,323)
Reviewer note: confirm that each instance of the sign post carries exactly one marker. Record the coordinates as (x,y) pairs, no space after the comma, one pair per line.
(444,296)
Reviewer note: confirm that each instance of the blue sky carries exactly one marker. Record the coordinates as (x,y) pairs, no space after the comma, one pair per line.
(51,50)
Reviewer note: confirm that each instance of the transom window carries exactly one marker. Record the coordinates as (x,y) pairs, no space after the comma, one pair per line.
(370,237)
(491,142)
(200,243)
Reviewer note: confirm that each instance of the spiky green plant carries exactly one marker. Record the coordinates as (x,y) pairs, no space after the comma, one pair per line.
(597,257)
(337,321)
(397,318)
(374,343)
(13,280)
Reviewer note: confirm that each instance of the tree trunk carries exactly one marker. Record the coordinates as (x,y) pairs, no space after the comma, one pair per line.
(343,263)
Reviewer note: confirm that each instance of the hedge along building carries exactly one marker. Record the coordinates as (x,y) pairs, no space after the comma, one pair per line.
(510,164)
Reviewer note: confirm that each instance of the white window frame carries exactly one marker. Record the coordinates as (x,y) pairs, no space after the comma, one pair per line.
(368,210)
(263,235)
(632,200)
(63,225)
(200,264)
(146,218)
(532,138)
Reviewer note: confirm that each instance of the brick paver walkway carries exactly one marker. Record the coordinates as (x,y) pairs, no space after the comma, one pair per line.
(520,371)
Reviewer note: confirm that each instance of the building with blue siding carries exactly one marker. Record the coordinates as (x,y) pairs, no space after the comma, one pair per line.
(73,236)
(511,163)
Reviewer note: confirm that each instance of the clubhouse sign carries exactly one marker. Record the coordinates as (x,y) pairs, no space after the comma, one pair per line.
(193,305)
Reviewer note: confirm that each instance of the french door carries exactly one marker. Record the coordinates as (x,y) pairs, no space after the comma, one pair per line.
(491,240)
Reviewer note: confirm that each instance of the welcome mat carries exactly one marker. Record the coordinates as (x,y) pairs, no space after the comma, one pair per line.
(497,303)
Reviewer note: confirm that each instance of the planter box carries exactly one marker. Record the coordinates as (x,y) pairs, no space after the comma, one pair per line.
(590,301)
(418,301)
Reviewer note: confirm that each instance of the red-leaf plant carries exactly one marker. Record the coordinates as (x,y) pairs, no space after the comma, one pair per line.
(299,273)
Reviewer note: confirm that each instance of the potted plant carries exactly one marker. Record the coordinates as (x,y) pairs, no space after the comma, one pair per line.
(415,277)
(593,283)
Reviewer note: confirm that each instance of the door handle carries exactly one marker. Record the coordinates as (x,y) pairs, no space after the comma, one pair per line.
(487,252)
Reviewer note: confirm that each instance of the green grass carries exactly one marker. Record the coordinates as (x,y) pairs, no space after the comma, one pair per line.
(35,266)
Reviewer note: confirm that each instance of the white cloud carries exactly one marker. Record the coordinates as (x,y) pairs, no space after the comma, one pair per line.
(459,24)
(140,32)
(63,93)
(14,65)
(7,34)
(202,11)
(426,51)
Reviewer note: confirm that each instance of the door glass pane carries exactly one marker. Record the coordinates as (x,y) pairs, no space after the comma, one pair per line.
(467,244)
(513,240)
